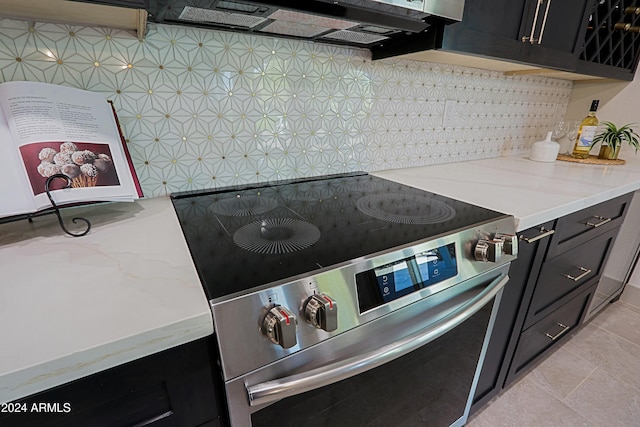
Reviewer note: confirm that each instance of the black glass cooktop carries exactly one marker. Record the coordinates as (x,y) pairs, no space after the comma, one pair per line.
(243,237)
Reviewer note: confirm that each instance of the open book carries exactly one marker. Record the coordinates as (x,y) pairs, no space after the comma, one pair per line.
(47,129)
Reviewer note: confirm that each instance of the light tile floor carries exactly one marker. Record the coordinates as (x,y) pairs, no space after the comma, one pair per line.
(592,380)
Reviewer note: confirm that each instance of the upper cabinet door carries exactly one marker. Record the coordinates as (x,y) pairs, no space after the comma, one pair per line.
(546,33)
(555,24)
(497,17)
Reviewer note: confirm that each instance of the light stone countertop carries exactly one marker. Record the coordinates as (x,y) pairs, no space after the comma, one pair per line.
(70,307)
(532,192)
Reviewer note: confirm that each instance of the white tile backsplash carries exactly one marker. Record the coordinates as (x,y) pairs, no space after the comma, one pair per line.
(204,108)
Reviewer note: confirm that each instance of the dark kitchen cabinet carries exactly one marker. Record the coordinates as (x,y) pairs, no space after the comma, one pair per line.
(523,275)
(612,40)
(544,33)
(625,255)
(514,21)
(583,225)
(587,37)
(599,38)
(551,284)
(536,340)
(175,387)
(565,275)
(566,281)
(499,18)
(566,21)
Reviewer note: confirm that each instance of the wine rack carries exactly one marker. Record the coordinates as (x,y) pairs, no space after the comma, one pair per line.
(613,34)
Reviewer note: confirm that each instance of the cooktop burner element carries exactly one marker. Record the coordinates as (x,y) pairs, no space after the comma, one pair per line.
(276,236)
(405,209)
(249,236)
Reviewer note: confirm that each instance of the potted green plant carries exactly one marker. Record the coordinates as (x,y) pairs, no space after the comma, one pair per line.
(612,138)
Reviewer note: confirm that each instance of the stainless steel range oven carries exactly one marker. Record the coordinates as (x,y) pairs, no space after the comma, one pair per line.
(347,299)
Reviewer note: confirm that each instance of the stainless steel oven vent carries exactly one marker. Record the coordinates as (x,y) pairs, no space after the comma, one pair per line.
(383,26)
(208,16)
(312,19)
(305,25)
(377,30)
(354,37)
(295,29)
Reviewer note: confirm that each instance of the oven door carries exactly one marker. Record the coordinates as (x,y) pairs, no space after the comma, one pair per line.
(416,366)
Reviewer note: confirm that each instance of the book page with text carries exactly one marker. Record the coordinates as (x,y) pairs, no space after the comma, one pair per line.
(59,129)
(14,196)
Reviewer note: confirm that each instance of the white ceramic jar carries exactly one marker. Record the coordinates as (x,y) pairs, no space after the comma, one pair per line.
(545,151)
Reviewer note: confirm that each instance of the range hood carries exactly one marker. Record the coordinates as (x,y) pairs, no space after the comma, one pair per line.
(372,24)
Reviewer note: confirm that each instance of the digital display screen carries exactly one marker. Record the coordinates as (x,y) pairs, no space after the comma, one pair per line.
(437,264)
(394,280)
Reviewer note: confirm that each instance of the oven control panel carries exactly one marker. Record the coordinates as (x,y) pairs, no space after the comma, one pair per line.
(267,324)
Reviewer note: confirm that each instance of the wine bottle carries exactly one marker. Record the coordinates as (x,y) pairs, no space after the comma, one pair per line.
(586,132)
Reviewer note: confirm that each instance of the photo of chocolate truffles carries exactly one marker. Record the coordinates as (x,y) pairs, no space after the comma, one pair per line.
(83,167)
(47,154)
(85,164)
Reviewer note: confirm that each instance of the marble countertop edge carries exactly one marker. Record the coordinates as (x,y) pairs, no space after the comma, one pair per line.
(84,362)
(76,307)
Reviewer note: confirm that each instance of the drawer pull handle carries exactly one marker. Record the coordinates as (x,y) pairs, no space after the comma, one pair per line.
(565,328)
(602,219)
(585,271)
(543,233)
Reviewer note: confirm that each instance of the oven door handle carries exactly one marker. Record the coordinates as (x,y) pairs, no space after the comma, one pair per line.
(274,390)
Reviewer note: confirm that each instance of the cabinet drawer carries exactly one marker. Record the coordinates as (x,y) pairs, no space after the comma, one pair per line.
(175,387)
(578,227)
(549,331)
(564,276)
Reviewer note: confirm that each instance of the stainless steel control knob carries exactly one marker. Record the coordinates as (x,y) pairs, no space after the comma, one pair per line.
(279,325)
(510,243)
(488,250)
(322,312)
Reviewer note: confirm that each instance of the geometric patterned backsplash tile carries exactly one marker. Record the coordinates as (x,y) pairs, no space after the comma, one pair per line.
(203,108)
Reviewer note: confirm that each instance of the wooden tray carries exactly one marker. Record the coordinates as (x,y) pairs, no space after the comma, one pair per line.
(591,160)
